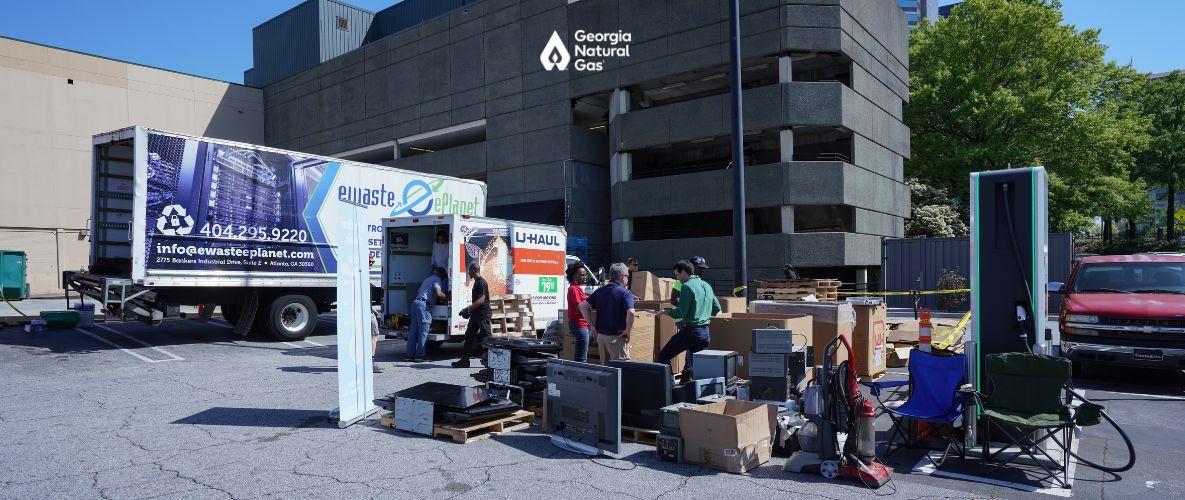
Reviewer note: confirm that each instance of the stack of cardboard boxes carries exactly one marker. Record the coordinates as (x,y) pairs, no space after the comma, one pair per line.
(902,336)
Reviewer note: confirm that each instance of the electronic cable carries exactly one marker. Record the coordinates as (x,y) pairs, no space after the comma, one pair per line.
(1131,450)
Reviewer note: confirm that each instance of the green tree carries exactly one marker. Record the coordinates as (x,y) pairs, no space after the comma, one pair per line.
(934,213)
(1161,164)
(1003,83)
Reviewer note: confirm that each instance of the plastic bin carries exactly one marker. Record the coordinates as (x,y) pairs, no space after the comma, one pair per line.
(60,320)
(13,270)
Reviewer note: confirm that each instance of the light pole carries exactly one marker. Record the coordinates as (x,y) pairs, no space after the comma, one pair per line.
(739,247)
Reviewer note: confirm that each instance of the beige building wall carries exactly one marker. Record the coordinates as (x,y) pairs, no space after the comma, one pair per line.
(51,102)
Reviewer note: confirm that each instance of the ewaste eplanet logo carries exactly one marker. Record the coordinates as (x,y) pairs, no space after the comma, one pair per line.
(555,55)
(174,221)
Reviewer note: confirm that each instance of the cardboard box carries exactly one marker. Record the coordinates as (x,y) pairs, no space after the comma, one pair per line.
(642,336)
(830,320)
(898,357)
(651,305)
(906,331)
(646,286)
(869,339)
(733,304)
(736,333)
(733,436)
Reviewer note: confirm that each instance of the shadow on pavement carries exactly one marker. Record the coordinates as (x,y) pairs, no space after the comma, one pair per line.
(259,417)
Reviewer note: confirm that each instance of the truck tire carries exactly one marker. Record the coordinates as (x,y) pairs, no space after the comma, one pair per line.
(290,317)
(435,344)
(231,313)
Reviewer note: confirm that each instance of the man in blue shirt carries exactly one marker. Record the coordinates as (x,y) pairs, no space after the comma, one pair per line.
(614,315)
(431,292)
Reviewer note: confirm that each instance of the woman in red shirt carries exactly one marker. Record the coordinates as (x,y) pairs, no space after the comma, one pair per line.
(577,324)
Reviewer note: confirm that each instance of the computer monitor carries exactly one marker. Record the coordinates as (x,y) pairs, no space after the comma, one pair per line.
(584,406)
(649,390)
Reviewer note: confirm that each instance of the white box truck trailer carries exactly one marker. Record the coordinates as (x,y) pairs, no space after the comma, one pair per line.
(519,258)
(180,220)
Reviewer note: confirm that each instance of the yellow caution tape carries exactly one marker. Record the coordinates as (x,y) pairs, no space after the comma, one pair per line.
(918,292)
(953,334)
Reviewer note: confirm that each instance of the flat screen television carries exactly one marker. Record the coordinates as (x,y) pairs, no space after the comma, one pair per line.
(584,407)
(649,390)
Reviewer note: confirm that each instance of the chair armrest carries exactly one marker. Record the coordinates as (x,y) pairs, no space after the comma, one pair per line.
(875,388)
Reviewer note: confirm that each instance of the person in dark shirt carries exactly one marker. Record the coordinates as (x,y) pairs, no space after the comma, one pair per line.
(614,318)
(479,317)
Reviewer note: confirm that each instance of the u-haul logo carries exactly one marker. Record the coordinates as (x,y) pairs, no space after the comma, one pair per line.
(537,239)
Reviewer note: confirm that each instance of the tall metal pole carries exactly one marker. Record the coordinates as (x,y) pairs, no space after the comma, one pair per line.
(739,247)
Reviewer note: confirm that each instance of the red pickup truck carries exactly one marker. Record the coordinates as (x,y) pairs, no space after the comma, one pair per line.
(1125,310)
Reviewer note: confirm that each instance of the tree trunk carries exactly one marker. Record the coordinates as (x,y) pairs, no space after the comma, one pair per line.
(1131,228)
(1170,232)
(1107,233)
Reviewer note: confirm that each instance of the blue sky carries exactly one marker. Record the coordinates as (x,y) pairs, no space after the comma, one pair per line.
(213,37)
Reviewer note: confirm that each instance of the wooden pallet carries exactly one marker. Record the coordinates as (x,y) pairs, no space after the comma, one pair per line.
(641,436)
(465,434)
(512,315)
(873,378)
(824,289)
(516,421)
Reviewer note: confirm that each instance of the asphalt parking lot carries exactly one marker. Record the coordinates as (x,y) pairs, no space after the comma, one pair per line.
(187,410)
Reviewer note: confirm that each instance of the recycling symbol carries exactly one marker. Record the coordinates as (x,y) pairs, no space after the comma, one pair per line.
(173,221)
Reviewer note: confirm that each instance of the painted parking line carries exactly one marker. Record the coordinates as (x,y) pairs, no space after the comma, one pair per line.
(117,346)
(127,351)
(143,343)
(314,343)
(1138,394)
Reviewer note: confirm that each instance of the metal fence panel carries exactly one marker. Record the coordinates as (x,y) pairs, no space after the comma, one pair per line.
(917,263)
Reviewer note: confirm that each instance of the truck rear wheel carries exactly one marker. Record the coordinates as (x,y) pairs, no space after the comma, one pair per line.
(435,344)
(291,317)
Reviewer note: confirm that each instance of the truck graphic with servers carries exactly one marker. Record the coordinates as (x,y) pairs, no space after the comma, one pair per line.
(180,220)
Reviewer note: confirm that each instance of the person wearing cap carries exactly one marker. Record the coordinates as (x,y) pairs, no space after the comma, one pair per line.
(695,310)
(698,264)
(631,264)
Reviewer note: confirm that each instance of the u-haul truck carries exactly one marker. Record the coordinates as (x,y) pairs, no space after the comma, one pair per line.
(519,258)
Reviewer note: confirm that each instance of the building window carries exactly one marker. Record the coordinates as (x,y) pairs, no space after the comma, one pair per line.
(343,23)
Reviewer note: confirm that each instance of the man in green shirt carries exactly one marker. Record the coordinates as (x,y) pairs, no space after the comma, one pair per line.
(697,305)
(698,265)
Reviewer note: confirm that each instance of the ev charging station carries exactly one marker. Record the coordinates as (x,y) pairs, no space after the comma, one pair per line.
(1009,267)
(1009,254)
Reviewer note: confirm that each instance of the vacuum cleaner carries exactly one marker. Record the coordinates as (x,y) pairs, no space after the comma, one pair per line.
(839,439)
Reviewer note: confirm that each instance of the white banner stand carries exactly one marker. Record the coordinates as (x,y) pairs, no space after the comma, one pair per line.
(355,380)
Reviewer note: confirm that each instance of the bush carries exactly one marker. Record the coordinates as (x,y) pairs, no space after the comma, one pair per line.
(951,280)
(1120,246)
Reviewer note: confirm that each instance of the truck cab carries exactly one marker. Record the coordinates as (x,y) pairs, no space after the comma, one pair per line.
(1125,310)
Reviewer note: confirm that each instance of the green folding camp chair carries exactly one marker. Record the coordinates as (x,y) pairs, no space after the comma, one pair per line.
(1024,403)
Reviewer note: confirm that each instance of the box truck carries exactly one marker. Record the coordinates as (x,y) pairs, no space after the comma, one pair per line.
(516,258)
(181,220)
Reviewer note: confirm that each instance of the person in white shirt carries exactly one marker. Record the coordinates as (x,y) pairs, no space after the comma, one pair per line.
(440,251)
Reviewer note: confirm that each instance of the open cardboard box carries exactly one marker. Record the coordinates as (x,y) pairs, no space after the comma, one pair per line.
(733,436)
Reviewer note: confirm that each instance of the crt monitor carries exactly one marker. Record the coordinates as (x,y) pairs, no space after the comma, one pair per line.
(584,406)
(649,390)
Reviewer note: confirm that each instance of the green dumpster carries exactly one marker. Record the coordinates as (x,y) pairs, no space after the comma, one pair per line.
(13,280)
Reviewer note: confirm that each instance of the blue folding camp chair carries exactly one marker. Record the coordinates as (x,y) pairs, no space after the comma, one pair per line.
(934,398)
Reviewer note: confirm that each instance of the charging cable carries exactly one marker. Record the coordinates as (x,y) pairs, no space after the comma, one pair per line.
(1022,319)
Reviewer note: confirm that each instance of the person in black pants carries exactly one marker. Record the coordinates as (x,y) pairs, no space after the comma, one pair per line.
(479,314)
